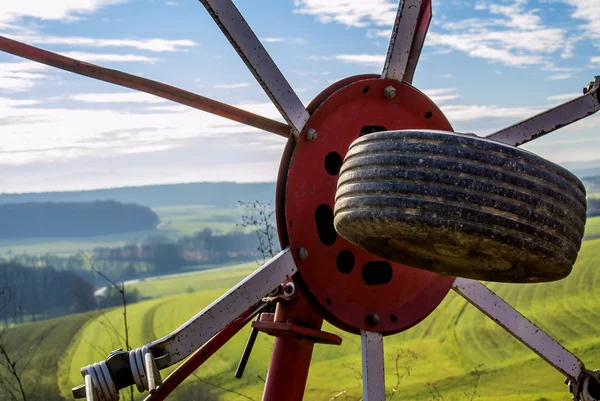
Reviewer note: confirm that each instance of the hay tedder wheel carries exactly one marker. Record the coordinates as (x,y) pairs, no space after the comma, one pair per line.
(460,205)
(381,211)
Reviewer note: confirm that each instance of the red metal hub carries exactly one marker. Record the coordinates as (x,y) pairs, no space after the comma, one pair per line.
(354,289)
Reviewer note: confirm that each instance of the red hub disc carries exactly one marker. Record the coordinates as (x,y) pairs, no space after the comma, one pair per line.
(355,289)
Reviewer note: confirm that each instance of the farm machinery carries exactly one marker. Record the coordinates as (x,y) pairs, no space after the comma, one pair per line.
(382,209)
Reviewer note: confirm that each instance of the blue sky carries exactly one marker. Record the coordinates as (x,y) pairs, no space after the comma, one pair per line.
(487,64)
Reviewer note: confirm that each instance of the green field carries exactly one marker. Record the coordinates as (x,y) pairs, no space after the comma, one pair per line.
(193,218)
(592,228)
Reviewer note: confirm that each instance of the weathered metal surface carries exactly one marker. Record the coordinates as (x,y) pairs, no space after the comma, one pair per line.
(286,157)
(143,85)
(342,278)
(252,52)
(418,40)
(216,316)
(373,363)
(401,41)
(520,327)
(551,120)
(460,205)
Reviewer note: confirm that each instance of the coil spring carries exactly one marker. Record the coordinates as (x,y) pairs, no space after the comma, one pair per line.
(99,383)
(143,368)
(102,385)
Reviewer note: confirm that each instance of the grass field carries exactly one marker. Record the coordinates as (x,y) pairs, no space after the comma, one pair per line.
(592,228)
(193,218)
(443,351)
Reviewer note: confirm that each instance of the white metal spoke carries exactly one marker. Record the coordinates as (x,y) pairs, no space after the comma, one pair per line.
(245,42)
(519,326)
(401,41)
(551,120)
(373,366)
(216,316)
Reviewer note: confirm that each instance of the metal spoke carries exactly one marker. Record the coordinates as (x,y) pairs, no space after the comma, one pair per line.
(401,42)
(373,371)
(553,119)
(520,327)
(247,45)
(143,85)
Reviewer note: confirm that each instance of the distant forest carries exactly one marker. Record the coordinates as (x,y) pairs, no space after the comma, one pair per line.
(156,255)
(41,293)
(221,194)
(49,219)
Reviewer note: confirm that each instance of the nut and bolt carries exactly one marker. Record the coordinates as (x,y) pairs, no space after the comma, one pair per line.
(389,92)
(373,319)
(302,253)
(311,134)
(289,289)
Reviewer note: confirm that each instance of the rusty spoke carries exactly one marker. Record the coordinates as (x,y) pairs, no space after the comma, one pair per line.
(553,119)
(143,85)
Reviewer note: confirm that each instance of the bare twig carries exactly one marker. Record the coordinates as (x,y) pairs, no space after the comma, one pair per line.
(121,290)
(222,388)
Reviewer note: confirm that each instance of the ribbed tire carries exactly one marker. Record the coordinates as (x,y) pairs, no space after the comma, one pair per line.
(460,205)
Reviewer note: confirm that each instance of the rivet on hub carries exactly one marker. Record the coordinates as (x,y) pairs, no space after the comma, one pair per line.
(311,134)
(389,92)
(302,253)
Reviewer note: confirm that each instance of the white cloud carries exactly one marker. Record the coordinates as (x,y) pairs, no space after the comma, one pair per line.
(232,86)
(595,60)
(349,12)
(50,10)
(461,113)
(20,76)
(154,44)
(299,41)
(124,97)
(505,32)
(376,60)
(589,11)
(563,98)
(510,34)
(36,134)
(557,77)
(441,95)
(119,58)
(172,3)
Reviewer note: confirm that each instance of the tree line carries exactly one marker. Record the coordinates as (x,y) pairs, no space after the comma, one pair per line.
(37,294)
(73,219)
(154,256)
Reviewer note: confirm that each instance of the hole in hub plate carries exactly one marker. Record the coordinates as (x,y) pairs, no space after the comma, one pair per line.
(325,228)
(377,273)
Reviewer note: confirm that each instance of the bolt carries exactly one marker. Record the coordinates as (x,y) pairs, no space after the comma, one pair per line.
(311,134)
(302,253)
(389,92)
(289,289)
(373,319)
